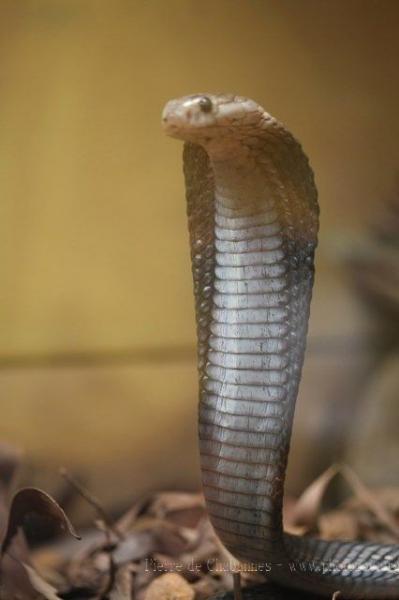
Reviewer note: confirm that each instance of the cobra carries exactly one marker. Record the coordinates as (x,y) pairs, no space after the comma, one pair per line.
(253,221)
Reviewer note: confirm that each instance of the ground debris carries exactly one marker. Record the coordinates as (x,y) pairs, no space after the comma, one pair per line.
(164,546)
(170,586)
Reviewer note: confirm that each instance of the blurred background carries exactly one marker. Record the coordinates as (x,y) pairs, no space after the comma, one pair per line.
(97,344)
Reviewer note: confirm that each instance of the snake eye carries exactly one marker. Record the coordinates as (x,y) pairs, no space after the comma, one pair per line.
(205,104)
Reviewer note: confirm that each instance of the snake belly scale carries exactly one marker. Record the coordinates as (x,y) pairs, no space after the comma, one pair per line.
(253,221)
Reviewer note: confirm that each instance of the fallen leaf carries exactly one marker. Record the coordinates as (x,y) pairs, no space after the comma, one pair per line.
(307,508)
(370,499)
(171,540)
(135,546)
(206,587)
(170,586)
(28,501)
(128,519)
(206,545)
(182,508)
(45,590)
(340,524)
(15,582)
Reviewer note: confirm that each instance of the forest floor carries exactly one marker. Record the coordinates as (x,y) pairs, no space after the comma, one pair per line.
(163,547)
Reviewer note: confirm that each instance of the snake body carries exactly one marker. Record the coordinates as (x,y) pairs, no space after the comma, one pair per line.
(253,221)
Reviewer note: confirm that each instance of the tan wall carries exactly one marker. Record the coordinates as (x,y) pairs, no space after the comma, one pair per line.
(92,229)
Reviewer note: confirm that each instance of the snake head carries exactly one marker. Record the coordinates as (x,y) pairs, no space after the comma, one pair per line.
(210,119)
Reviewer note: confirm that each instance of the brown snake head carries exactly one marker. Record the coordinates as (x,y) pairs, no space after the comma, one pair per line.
(215,122)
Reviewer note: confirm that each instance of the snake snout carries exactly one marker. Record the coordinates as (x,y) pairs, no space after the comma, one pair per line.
(188,117)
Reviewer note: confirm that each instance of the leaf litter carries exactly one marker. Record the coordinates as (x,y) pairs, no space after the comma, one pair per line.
(163,547)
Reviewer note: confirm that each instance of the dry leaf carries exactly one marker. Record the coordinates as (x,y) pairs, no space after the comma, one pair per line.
(338,525)
(135,546)
(182,508)
(387,496)
(128,519)
(307,508)
(371,500)
(45,590)
(170,586)
(28,501)
(206,587)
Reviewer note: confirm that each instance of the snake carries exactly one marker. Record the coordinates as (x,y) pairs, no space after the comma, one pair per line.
(253,219)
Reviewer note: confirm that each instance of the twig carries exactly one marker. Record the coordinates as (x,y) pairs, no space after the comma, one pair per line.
(90,499)
(237,585)
(111,579)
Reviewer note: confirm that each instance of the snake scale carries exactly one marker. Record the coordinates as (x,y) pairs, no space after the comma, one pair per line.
(253,221)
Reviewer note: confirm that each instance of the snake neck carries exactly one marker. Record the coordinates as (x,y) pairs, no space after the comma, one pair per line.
(255,346)
(240,183)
